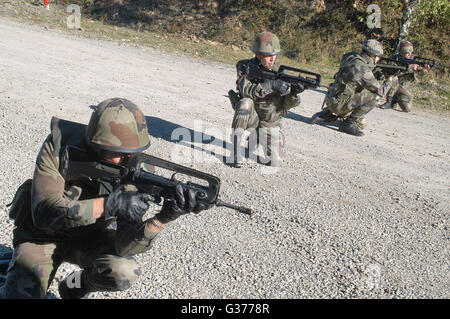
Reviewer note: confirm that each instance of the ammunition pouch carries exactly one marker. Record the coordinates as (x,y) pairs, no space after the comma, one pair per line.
(20,207)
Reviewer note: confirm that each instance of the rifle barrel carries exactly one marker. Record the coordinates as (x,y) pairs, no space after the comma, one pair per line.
(240,209)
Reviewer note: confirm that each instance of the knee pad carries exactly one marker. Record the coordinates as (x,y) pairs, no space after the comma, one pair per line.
(118,272)
(245,105)
(405,104)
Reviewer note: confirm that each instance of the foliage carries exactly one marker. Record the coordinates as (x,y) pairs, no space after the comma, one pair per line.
(433,13)
(308,32)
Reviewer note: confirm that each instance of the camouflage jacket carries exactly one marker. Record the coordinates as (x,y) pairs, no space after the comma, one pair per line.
(61,210)
(354,75)
(270,108)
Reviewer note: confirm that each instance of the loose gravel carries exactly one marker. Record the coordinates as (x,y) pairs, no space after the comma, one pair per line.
(344,217)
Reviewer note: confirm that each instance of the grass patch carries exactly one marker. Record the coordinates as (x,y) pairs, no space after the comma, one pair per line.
(430,93)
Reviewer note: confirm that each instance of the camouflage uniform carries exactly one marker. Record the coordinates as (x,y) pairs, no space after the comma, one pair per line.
(399,92)
(355,91)
(258,110)
(58,224)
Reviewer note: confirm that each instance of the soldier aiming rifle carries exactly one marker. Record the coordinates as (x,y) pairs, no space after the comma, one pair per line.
(265,92)
(355,90)
(66,213)
(399,92)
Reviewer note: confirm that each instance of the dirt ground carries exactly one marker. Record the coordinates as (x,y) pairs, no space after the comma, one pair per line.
(344,217)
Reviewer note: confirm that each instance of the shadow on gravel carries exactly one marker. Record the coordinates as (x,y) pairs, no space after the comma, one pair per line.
(172,132)
(297,117)
(182,135)
(5,253)
(5,257)
(307,120)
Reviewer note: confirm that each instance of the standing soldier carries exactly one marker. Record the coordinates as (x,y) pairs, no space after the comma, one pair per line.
(355,91)
(260,106)
(399,92)
(58,221)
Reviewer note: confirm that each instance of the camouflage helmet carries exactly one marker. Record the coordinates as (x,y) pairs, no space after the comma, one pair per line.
(373,46)
(118,125)
(405,47)
(266,43)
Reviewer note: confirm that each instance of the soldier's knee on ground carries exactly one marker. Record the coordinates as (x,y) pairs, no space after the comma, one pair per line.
(405,103)
(113,273)
(406,107)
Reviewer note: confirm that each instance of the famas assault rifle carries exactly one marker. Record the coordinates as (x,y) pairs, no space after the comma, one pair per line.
(397,63)
(256,74)
(79,164)
(389,68)
(415,60)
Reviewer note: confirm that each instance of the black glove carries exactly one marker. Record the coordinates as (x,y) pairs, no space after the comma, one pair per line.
(379,75)
(183,202)
(297,88)
(278,86)
(127,206)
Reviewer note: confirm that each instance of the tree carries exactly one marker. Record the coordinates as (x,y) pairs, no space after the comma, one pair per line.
(409,6)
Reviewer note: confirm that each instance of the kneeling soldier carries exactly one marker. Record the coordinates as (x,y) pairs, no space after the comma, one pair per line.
(355,90)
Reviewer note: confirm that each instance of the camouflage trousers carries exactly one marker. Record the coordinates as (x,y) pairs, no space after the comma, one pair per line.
(267,134)
(400,94)
(356,106)
(34,265)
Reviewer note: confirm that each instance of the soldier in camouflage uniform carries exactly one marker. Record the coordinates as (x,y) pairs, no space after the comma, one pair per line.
(259,107)
(57,221)
(399,92)
(355,91)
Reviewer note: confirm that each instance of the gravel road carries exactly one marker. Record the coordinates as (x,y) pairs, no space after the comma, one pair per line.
(344,217)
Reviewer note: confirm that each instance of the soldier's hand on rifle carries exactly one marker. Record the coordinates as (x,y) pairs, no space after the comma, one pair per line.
(183,202)
(414,67)
(379,75)
(297,88)
(279,86)
(127,206)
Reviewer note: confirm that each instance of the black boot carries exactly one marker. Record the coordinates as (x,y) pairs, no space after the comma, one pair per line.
(324,116)
(388,104)
(350,126)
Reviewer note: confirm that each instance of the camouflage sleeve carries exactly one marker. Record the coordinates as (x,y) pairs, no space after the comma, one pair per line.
(50,209)
(370,83)
(132,239)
